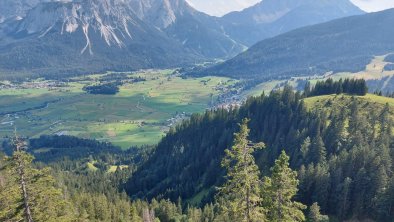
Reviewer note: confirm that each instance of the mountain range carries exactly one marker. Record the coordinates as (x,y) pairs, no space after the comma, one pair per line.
(273,17)
(85,36)
(51,38)
(16,9)
(343,45)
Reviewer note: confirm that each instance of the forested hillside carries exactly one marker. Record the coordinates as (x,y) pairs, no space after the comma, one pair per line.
(286,156)
(343,45)
(342,151)
(270,18)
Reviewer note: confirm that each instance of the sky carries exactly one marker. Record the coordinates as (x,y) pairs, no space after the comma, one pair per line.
(221,7)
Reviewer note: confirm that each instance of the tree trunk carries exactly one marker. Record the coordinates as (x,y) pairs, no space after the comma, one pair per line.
(248,205)
(24,190)
(19,146)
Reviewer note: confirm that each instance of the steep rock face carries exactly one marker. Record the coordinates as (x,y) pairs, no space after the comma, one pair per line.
(161,13)
(82,36)
(197,31)
(109,18)
(86,36)
(134,34)
(273,17)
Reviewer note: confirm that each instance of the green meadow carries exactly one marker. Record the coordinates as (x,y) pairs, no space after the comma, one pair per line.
(137,115)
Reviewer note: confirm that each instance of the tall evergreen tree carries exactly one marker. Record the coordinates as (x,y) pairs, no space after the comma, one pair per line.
(344,198)
(240,196)
(305,148)
(317,153)
(279,191)
(314,214)
(30,194)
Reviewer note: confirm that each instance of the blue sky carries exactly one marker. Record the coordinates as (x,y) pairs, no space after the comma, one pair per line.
(221,7)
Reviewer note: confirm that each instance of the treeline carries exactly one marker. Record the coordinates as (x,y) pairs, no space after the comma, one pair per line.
(50,148)
(109,84)
(68,192)
(120,78)
(348,86)
(343,153)
(105,89)
(75,196)
(65,193)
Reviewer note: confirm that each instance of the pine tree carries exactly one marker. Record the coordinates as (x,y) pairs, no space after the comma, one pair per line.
(305,148)
(322,184)
(385,203)
(279,191)
(240,197)
(314,214)
(307,89)
(317,153)
(30,194)
(344,198)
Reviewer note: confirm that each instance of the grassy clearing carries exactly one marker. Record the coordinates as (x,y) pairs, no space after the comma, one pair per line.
(373,71)
(265,87)
(137,115)
(342,99)
(370,102)
(112,169)
(90,166)
(198,197)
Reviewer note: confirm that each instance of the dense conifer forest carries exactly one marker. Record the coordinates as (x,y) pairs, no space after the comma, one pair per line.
(105,89)
(348,86)
(343,155)
(278,157)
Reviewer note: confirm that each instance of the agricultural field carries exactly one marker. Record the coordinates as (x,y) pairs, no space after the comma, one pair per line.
(375,74)
(139,114)
(142,112)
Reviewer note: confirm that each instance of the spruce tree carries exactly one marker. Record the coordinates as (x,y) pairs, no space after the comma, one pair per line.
(305,148)
(279,191)
(240,197)
(30,194)
(314,214)
(317,153)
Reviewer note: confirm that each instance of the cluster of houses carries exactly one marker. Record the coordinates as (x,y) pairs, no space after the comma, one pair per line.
(32,85)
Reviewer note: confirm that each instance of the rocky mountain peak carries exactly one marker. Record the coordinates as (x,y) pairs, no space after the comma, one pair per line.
(161,13)
(109,18)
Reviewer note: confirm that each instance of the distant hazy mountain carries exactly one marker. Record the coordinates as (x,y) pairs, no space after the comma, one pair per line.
(346,44)
(195,30)
(85,36)
(16,9)
(272,17)
(78,36)
(94,35)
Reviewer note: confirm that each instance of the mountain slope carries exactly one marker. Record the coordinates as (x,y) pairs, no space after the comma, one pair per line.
(273,17)
(85,36)
(346,44)
(16,9)
(197,31)
(186,163)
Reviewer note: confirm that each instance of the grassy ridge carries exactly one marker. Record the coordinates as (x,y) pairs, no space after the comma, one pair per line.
(370,102)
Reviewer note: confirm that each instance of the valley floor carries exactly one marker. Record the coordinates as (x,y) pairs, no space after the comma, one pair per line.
(139,114)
